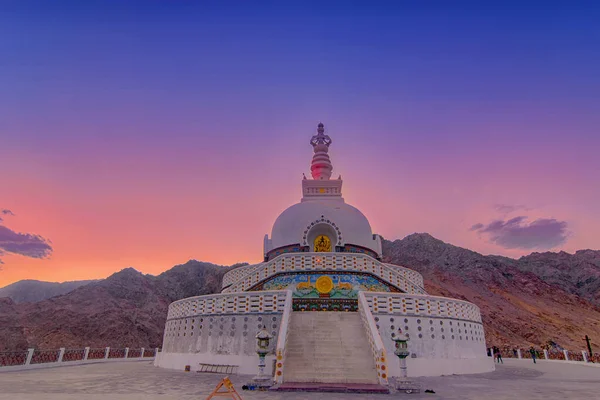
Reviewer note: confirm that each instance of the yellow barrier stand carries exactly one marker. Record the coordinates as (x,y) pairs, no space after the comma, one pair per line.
(229,390)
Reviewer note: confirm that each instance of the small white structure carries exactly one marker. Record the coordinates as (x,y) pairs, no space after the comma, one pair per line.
(322,258)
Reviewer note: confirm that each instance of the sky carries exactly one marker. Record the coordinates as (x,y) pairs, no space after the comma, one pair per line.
(146,133)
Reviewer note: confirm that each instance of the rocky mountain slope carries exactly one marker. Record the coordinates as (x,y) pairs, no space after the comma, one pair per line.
(126,309)
(533,300)
(519,308)
(30,291)
(577,273)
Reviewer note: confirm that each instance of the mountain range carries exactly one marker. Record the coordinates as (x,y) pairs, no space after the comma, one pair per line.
(31,291)
(537,299)
(522,301)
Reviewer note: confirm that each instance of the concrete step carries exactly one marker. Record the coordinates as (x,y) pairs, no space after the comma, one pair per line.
(328,347)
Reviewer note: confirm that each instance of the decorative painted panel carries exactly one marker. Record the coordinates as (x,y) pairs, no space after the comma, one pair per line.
(326,286)
(350,248)
(344,262)
(282,250)
(315,304)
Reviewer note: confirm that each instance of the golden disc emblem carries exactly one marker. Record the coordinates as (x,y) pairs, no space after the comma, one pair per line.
(324,284)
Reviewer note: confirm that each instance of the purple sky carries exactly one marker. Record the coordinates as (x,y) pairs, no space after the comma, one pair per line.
(146,133)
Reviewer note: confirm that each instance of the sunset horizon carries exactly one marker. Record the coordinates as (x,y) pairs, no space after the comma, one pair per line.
(147,134)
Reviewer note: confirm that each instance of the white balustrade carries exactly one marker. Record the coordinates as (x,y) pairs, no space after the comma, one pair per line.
(409,274)
(330,262)
(229,303)
(375,341)
(237,273)
(280,351)
(422,305)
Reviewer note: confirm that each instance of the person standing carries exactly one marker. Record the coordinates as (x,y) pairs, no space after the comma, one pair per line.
(532,352)
(499,356)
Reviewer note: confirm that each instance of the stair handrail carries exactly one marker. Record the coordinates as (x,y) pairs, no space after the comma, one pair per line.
(375,341)
(282,339)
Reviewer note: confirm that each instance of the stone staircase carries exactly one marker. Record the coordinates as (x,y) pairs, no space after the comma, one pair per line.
(328,347)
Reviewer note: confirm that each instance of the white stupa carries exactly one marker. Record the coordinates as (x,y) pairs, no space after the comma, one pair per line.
(333,307)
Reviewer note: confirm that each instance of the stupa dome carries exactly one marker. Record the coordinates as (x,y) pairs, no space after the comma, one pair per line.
(345,224)
(322,221)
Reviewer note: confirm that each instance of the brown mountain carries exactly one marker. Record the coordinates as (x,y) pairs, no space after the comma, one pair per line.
(519,308)
(577,273)
(31,291)
(522,301)
(126,309)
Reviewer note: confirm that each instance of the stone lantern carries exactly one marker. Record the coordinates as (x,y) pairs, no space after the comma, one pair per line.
(401,350)
(263,337)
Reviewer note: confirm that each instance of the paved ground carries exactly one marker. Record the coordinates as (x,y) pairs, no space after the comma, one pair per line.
(516,379)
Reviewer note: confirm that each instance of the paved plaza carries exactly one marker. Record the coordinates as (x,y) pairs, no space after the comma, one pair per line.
(516,379)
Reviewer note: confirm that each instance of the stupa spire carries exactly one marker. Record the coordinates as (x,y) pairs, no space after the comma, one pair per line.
(321,166)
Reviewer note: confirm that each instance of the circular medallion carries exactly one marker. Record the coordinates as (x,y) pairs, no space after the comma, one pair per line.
(324,284)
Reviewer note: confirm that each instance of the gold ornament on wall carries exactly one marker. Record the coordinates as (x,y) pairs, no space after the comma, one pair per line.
(322,244)
(324,284)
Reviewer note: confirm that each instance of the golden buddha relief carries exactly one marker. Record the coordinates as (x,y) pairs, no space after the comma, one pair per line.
(322,244)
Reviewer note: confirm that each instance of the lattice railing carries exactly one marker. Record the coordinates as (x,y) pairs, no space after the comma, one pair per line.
(148,353)
(36,356)
(430,306)
(575,356)
(116,353)
(377,347)
(234,303)
(73,355)
(556,355)
(280,351)
(134,353)
(45,356)
(552,354)
(509,353)
(11,358)
(95,354)
(330,262)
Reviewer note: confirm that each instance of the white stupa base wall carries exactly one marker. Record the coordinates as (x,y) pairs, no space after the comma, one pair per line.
(247,364)
(446,335)
(438,346)
(226,339)
(446,346)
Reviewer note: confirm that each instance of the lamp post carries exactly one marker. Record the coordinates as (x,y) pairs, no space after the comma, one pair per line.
(401,350)
(262,349)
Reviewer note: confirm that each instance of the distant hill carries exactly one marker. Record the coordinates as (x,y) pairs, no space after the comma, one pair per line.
(522,302)
(126,309)
(533,300)
(30,291)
